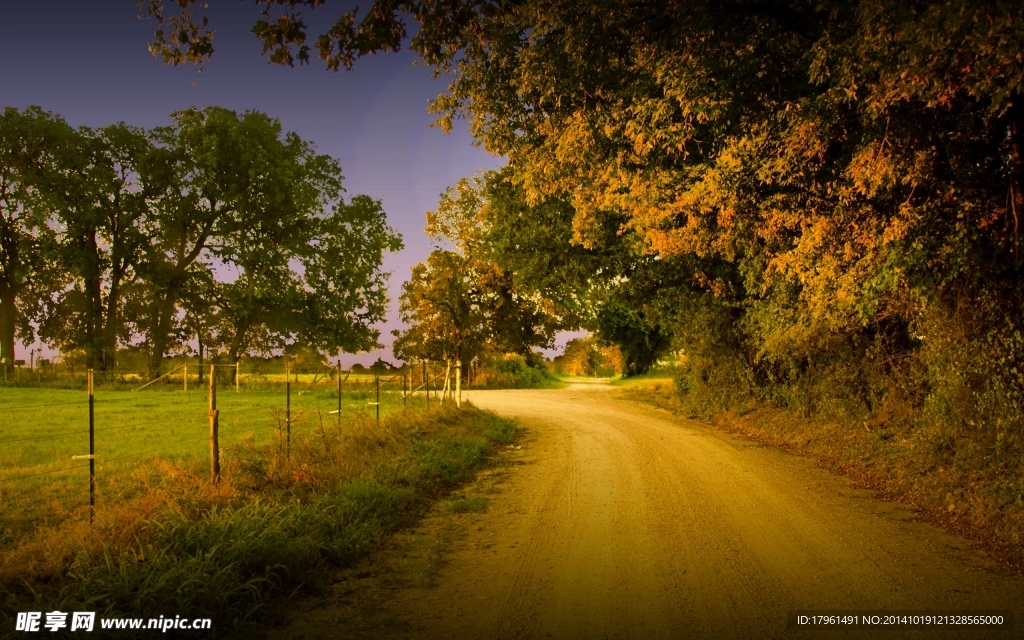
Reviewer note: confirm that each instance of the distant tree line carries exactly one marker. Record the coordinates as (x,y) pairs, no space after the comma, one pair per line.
(219,229)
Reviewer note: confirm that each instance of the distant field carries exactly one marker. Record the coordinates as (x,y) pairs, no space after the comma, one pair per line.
(43,428)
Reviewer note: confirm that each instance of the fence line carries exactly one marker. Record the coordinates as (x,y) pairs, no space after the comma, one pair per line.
(142,453)
(43,406)
(43,473)
(47,437)
(161,377)
(63,491)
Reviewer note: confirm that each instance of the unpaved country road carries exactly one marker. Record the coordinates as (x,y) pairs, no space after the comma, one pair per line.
(621,521)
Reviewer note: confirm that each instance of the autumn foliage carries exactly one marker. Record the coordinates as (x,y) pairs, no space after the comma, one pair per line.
(816,204)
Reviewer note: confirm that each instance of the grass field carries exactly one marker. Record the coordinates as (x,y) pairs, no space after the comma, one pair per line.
(276,526)
(42,429)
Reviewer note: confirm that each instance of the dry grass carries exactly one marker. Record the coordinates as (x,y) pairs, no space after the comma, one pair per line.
(277,524)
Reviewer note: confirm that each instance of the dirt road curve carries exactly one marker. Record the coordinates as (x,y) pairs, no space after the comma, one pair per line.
(617,520)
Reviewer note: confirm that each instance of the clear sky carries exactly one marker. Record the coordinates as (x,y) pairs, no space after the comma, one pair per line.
(87,61)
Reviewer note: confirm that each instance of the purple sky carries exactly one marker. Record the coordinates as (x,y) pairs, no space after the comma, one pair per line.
(87,61)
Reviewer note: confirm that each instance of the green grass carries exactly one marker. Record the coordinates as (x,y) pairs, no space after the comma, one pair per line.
(468,505)
(40,482)
(649,379)
(276,526)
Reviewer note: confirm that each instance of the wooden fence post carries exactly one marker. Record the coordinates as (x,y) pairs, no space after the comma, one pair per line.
(339,392)
(458,384)
(92,448)
(288,407)
(214,429)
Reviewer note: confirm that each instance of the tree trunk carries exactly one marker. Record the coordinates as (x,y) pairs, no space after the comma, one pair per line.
(112,322)
(93,324)
(8,315)
(234,352)
(199,338)
(162,332)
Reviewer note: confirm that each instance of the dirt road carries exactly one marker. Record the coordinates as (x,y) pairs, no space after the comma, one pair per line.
(618,520)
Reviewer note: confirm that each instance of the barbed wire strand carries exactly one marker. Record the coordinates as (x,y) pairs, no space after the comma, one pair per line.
(42,473)
(123,426)
(142,453)
(43,406)
(46,437)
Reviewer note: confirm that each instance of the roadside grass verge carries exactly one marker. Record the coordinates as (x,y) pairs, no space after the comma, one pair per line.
(277,525)
(651,380)
(973,493)
(41,482)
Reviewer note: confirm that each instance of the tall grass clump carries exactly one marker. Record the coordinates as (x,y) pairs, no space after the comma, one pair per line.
(277,524)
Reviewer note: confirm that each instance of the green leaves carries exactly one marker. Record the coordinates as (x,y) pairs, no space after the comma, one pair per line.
(345,289)
(221,227)
(30,141)
(461,301)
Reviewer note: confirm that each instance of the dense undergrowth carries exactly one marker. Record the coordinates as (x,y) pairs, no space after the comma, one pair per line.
(277,525)
(514,371)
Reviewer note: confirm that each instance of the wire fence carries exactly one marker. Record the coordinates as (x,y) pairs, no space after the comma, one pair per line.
(62,458)
(185,373)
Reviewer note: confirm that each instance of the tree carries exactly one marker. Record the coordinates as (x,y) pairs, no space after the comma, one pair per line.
(584,357)
(101,205)
(200,319)
(459,302)
(608,286)
(344,288)
(825,176)
(442,308)
(28,140)
(231,179)
(339,292)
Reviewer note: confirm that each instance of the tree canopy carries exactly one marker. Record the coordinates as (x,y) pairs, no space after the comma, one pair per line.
(460,302)
(220,228)
(782,191)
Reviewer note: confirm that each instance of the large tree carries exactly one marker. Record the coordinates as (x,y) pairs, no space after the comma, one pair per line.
(460,302)
(102,209)
(238,187)
(307,265)
(29,139)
